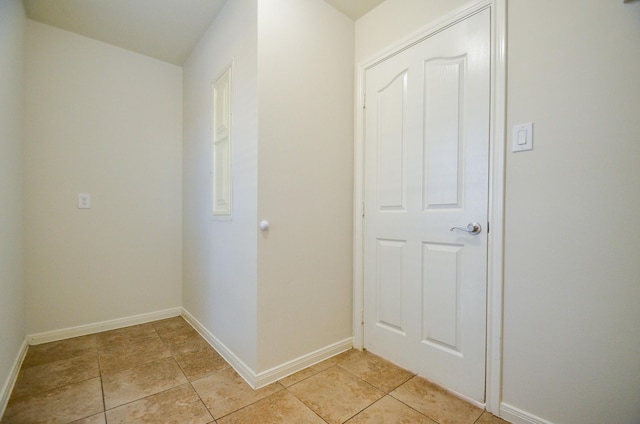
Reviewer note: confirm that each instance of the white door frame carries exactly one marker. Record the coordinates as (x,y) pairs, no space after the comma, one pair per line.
(495,237)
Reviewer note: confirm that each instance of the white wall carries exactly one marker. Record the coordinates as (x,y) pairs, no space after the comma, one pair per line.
(263,296)
(572,273)
(12,321)
(108,122)
(395,20)
(571,339)
(220,257)
(305,185)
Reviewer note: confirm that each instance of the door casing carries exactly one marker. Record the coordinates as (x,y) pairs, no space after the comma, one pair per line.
(497,150)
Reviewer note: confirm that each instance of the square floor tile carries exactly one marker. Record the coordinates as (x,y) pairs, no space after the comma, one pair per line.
(374,370)
(335,394)
(141,381)
(187,341)
(308,372)
(123,336)
(225,391)
(114,339)
(172,327)
(56,351)
(488,418)
(436,403)
(61,405)
(390,411)
(200,363)
(94,419)
(144,373)
(50,375)
(279,408)
(131,355)
(300,376)
(180,405)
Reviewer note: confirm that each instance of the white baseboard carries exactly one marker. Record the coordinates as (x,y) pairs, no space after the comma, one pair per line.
(238,364)
(277,373)
(7,388)
(83,330)
(274,374)
(518,416)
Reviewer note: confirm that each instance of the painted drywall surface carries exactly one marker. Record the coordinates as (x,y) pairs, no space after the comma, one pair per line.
(395,20)
(305,184)
(12,322)
(108,122)
(220,257)
(572,274)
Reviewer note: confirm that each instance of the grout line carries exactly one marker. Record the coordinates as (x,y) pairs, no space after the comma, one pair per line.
(281,391)
(283,388)
(414,409)
(104,404)
(302,401)
(307,377)
(305,405)
(202,401)
(142,364)
(363,380)
(185,374)
(100,373)
(422,413)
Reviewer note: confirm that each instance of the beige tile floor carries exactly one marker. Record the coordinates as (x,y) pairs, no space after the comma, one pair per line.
(164,372)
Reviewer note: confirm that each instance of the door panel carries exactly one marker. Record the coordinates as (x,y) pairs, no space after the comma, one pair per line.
(426,170)
(441,295)
(444,90)
(391,144)
(390,260)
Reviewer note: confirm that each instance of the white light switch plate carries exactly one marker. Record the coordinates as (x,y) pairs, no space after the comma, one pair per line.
(84,201)
(522,137)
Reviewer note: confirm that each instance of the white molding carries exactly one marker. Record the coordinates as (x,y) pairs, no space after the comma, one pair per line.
(497,161)
(276,373)
(83,330)
(427,31)
(232,359)
(5,394)
(358,212)
(225,213)
(496,186)
(518,416)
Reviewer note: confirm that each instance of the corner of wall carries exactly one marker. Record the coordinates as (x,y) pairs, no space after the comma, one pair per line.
(7,388)
(12,303)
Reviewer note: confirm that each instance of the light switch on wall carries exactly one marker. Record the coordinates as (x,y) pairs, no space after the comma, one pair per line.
(523,137)
(84,201)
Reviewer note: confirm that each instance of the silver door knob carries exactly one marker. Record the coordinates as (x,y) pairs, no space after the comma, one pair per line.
(473,228)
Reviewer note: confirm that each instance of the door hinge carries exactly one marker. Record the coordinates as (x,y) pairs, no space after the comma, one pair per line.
(363,209)
(364,101)
(488,227)
(362,316)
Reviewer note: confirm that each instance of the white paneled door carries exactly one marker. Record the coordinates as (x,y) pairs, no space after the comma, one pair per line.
(426,171)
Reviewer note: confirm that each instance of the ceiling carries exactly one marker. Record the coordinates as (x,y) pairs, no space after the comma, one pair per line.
(164,29)
(354,9)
